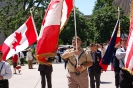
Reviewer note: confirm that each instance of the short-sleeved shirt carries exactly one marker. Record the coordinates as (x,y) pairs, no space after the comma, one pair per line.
(6,71)
(120,54)
(29,56)
(15,58)
(84,57)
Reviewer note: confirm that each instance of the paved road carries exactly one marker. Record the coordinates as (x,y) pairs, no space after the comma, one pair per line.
(30,78)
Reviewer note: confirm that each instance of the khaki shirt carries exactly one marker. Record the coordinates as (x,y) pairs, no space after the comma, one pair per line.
(84,57)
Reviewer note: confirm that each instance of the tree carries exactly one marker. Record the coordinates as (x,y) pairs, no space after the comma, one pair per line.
(69,30)
(15,13)
(102,23)
(102,3)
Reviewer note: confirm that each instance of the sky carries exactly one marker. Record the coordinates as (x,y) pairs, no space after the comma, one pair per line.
(85,6)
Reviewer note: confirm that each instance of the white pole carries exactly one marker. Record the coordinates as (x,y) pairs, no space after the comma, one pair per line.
(75,29)
(31,9)
(118,13)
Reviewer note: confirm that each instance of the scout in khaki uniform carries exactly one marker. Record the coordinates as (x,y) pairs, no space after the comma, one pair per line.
(77,70)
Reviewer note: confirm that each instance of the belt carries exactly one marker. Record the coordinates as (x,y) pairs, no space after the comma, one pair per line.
(80,72)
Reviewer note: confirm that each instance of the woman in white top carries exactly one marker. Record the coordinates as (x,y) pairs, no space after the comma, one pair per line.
(102,49)
(29,58)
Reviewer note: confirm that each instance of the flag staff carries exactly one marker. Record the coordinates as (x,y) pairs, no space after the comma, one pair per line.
(75,24)
(75,31)
(118,13)
(31,9)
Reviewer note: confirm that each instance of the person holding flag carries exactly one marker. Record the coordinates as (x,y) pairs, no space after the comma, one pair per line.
(120,54)
(77,67)
(55,18)
(115,64)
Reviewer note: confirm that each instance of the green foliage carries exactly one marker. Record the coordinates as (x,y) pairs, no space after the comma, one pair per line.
(102,23)
(102,3)
(69,30)
(15,13)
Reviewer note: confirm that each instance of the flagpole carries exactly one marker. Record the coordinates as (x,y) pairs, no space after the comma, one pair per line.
(118,13)
(75,24)
(118,19)
(31,11)
(75,29)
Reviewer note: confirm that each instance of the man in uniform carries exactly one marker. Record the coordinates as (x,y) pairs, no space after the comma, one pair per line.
(95,70)
(78,62)
(120,54)
(5,73)
(115,63)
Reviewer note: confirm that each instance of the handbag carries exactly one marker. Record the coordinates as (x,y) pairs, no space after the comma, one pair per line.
(18,67)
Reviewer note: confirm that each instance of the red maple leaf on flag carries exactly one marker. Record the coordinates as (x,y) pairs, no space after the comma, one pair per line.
(18,39)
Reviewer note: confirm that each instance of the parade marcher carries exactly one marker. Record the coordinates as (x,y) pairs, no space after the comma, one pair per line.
(46,70)
(21,58)
(5,73)
(77,67)
(102,49)
(115,63)
(29,58)
(95,70)
(120,54)
(15,59)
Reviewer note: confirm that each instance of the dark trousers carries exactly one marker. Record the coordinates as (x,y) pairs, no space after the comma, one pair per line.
(48,77)
(22,61)
(4,84)
(58,54)
(97,79)
(117,77)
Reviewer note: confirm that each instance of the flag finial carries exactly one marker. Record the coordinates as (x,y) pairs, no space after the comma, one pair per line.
(31,9)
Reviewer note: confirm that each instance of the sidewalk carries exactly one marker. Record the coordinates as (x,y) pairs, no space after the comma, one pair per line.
(30,78)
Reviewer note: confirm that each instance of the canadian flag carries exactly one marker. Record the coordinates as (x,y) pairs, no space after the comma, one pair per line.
(20,39)
(0,47)
(55,18)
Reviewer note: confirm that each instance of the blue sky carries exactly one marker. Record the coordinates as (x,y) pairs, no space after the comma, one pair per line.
(85,6)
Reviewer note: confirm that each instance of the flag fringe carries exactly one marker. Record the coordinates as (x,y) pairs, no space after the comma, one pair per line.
(47,55)
(64,24)
(44,55)
(126,69)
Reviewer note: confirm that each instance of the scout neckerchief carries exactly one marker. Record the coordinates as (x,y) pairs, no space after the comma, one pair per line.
(75,59)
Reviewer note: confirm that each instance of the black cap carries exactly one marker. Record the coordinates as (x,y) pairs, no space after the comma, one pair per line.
(124,36)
